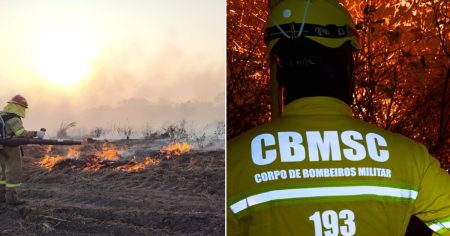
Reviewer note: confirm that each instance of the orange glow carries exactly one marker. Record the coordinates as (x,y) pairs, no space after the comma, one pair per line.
(175,149)
(73,152)
(108,156)
(49,162)
(95,166)
(134,167)
(109,152)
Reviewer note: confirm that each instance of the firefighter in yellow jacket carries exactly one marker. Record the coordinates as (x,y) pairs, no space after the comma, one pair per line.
(316,170)
(11,157)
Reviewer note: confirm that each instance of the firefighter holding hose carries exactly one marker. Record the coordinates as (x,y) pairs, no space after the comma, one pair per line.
(315,169)
(11,156)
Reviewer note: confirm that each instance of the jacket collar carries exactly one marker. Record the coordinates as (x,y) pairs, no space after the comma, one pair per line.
(15,109)
(317,106)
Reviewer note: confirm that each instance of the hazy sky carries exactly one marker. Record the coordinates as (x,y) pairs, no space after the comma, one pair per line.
(103,62)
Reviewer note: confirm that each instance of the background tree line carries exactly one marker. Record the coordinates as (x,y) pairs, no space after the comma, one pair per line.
(402,70)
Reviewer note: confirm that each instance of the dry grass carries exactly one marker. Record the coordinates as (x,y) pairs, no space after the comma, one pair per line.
(62,131)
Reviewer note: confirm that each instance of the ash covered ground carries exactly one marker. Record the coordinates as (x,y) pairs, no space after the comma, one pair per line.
(171,195)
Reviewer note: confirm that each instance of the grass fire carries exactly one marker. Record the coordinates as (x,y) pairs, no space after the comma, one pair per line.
(175,149)
(94,158)
(158,185)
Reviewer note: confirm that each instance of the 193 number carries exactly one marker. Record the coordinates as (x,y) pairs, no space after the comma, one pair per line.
(328,223)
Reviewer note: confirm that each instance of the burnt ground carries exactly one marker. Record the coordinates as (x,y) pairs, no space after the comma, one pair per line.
(178,196)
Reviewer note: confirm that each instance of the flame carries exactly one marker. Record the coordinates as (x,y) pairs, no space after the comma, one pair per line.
(94,164)
(175,149)
(49,162)
(73,152)
(134,167)
(109,152)
(107,157)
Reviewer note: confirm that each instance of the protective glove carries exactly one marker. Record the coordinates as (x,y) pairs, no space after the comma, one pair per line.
(41,133)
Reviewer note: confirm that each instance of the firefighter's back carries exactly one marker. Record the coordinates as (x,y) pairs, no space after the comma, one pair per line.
(319,171)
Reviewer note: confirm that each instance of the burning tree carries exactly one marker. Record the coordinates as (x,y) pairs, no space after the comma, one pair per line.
(247,66)
(402,71)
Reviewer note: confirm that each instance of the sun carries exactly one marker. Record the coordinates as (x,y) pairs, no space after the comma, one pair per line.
(64,55)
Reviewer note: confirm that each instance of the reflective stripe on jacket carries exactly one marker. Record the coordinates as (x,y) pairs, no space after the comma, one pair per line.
(319,171)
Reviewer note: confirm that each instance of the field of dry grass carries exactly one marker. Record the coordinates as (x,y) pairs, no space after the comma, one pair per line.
(172,195)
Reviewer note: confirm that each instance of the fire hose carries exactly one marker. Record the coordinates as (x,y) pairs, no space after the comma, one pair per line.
(12,142)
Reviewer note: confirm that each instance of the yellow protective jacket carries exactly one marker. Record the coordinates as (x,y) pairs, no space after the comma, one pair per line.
(14,126)
(319,171)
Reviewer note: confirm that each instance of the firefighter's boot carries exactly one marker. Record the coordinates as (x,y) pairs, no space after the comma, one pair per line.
(12,197)
(2,193)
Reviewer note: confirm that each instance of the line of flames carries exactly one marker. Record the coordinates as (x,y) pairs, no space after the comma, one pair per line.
(49,162)
(109,152)
(148,161)
(175,149)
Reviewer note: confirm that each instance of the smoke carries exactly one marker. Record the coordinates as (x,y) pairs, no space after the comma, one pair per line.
(133,85)
(152,69)
(169,72)
(137,113)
